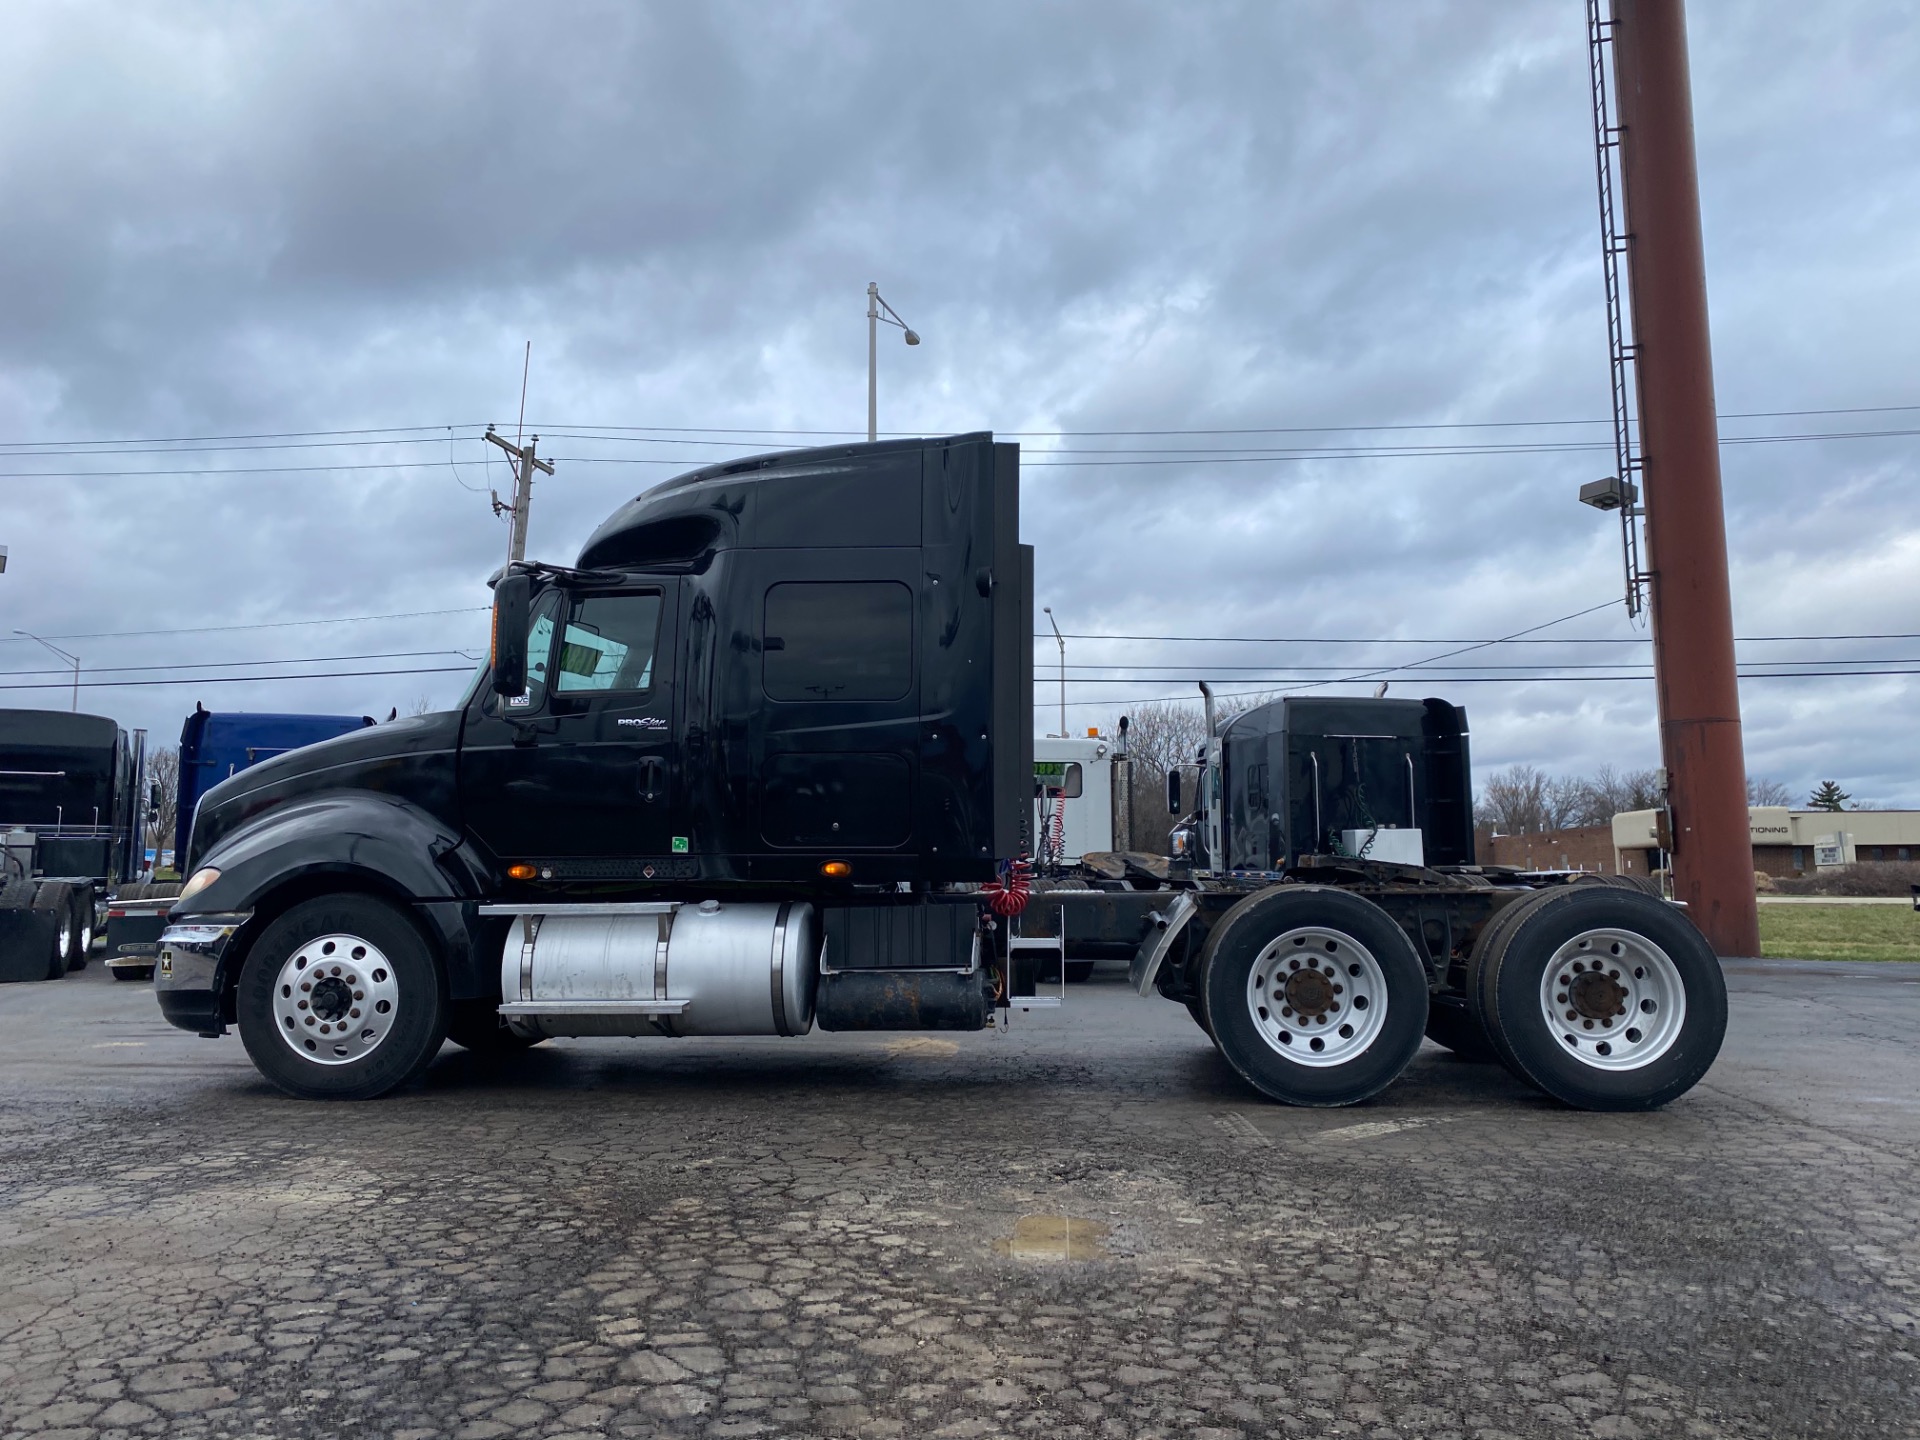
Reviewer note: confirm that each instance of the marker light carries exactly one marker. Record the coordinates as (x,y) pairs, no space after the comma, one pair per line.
(836,869)
(521,872)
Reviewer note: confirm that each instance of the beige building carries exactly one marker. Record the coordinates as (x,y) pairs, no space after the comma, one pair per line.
(1786,841)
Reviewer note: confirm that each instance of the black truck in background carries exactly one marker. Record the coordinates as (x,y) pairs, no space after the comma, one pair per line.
(72,821)
(762,759)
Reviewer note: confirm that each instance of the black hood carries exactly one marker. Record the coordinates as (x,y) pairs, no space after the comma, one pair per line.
(412,759)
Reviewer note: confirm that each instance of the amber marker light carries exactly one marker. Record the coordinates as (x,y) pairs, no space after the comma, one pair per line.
(521,872)
(836,869)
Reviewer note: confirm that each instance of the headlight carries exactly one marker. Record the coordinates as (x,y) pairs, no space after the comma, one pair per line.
(199,881)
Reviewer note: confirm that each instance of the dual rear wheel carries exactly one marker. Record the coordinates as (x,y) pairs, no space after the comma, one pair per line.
(1603,997)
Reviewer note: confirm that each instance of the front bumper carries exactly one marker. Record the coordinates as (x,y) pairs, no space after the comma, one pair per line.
(190,976)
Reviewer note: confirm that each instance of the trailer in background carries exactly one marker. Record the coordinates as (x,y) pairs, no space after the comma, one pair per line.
(71,816)
(214,745)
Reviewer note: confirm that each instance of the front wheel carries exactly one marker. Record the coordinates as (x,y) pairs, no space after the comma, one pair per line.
(1315,996)
(1605,998)
(340,999)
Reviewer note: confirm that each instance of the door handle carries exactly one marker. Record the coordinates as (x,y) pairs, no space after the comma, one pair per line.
(653,778)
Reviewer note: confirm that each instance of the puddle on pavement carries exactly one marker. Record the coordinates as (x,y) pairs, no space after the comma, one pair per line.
(1055,1237)
(922,1045)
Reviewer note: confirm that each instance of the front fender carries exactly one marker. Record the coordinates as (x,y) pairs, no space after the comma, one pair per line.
(392,844)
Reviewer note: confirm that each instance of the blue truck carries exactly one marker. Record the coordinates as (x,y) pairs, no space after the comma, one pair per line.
(213,746)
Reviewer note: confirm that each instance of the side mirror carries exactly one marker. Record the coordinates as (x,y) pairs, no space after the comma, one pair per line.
(1173,791)
(512,603)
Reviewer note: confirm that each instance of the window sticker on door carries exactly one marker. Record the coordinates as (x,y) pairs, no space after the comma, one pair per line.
(679,844)
(520,701)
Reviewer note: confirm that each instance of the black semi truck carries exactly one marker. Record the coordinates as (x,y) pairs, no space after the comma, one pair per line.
(72,818)
(761,759)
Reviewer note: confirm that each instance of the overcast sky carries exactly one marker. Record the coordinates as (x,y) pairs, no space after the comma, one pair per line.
(1103,217)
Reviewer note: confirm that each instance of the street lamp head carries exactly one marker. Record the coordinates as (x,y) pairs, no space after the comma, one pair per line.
(913,337)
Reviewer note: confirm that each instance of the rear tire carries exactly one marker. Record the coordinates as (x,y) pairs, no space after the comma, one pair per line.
(83,917)
(1315,996)
(351,962)
(476,1025)
(1197,1008)
(1601,996)
(57,895)
(1451,1026)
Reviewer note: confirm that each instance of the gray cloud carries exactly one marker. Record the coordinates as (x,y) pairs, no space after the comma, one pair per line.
(1103,217)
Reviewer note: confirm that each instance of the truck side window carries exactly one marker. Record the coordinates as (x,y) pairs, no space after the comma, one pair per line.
(1056,777)
(839,640)
(608,644)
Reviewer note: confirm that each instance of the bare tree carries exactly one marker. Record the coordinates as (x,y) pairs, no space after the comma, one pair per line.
(422,704)
(1166,735)
(163,774)
(1595,799)
(1520,800)
(1762,791)
(1162,736)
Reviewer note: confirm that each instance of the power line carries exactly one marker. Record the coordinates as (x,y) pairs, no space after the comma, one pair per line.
(245,679)
(911,434)
(1402,640)
(1184,697)
(1109,701)
(209,664)
(256,625)
(1130,460)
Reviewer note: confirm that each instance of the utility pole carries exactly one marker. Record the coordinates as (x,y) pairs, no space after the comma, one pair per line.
(1686,536)
(524,462)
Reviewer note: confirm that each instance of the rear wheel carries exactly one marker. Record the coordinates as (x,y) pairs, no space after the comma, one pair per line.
(1197,1008)
(1452,1026)
(57,896)
(82,928)
(1603,997)
(1315,996)
(340,999)
(476,1025)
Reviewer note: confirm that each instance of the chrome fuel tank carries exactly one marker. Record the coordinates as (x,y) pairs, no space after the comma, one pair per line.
(714,968)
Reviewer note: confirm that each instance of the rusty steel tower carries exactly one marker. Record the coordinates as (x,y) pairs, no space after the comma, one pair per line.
(1662,365)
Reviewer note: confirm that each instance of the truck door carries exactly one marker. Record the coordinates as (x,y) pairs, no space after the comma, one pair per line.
(584,769)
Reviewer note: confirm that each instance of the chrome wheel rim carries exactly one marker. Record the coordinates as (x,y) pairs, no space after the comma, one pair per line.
(65,938)
(1613,999)
(335,999)
(86,937)
(1317,996)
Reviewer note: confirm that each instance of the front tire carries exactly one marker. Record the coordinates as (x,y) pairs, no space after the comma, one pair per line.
(1605,998)
(1316,997)
(341,999)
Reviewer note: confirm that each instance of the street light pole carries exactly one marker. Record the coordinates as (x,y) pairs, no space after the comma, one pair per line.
(75,659)
(878,310)
(1061,640)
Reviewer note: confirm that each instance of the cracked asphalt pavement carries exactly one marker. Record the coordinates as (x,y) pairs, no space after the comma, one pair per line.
(824,1237)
